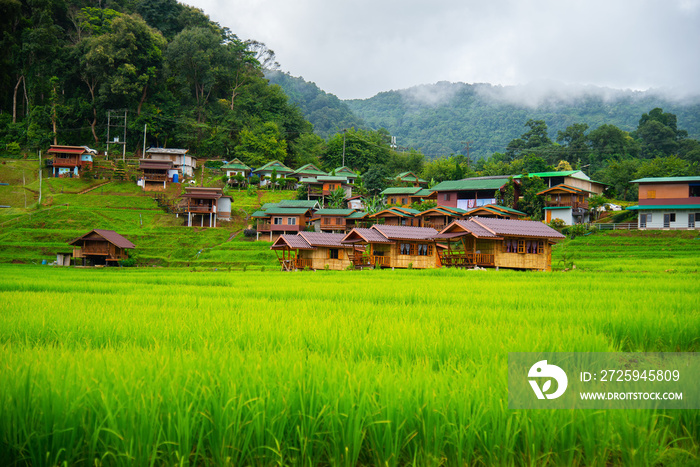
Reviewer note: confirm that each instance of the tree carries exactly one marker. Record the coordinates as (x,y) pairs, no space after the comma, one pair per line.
(337,199)
(534,140)
(362,149)
(531,203)
(609,142)
(659,134)
(375,179)
(576,141)
(261,145)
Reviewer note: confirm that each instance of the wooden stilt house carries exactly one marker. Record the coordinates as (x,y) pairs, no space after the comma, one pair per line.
(101,247)
(500,243)
(201,205)
(314,250)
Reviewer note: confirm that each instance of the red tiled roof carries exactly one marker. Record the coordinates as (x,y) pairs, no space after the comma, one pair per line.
(400,232)
(324,239)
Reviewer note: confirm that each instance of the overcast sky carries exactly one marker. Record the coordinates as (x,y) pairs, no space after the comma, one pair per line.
(355,49)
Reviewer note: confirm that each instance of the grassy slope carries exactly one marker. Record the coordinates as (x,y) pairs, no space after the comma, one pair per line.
(38,233)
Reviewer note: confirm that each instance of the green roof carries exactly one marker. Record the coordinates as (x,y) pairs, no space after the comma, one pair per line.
(470,184)
(332,178)
(556,207)
(665,206)
(259,214)
(334,212)
(423,192)
(409,190)
(310,169)
(268,206)
(297,203)
(345,170)
(235,164)
(279,211)
(280,167)
(357,215)
(410,176)
(565,173)
(666,179)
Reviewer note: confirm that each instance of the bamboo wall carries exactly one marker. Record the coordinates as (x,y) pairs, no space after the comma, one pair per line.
(397,260)
(541,262)
(319,258)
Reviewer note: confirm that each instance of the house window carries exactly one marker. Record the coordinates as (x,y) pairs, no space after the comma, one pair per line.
(672,217)
(425,249)
(521,246)
(651,194)
(404,200)
(540,248)
(446,196)
(291,221)
(277,221)
(510,245)
(333,253)
(692,219)
(407,249)
(694,190)
(392,200)
(531,247)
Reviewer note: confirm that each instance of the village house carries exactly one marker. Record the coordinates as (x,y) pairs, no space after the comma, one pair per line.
(400,196)
(494,210)
(278,220)
(337,220)
(235,168)
(101,247)
(469,193)
(567,203)
(499,243)
(668,203)
(313,250)
(439,217)
(422,196)
(409,178)
(69,161)
(307,171)
(390,246)
(347,173)
(155,174)
(183,163)
(265,172)
(204,206)
(397,216)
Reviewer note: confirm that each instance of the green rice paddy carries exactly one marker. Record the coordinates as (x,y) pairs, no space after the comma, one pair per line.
(155,366)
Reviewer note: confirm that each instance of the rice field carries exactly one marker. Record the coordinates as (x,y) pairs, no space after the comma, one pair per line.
(156,366)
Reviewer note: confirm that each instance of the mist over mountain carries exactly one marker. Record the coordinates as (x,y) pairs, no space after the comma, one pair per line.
(438,119)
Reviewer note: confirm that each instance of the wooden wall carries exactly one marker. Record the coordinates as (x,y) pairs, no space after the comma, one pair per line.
(320,258)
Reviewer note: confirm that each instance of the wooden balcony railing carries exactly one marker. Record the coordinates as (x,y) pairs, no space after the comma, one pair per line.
(155,177)
(199,209)
(484,259)
(434,225)
(302,263)
(566,204)
(459,260)
(264,227)
(382,261)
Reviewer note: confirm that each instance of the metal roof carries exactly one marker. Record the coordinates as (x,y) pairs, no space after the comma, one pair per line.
(57,149)
(298,203)
(468,226)
(155,164)
(331,178)
(666,179)
(367,235)
(512,227)
(294,242)
(274,165)
(235,164)
(408,190)
(110,235)
(324,239)
(334,212)
(309,169)
(470,184)
(166,151)
(280,211)
(664,206)
(400,232)
(565,173)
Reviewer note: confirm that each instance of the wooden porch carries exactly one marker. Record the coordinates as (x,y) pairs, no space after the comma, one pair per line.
(466,260)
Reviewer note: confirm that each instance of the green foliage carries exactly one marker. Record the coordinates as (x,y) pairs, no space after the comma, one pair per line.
(337,199)
(531,203)
(375,179)
(262,145)
(362,149)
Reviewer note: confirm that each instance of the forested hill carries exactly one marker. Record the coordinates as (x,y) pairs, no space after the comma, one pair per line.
(185,80)
(327,113)
(439,118)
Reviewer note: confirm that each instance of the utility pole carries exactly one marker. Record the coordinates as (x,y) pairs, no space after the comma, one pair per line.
(467,148)
(344,131)
(121,123)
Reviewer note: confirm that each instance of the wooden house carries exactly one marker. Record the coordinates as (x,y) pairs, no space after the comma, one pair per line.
(469,193)
(308,171)
(390,246)
(275,220)
(234,168)
(668,203)
(155,174)
(265,172)
(70,161)
(422,196)
(499,243)
(182,162)
(400,196)
(397,216)
(571,178)
(410,179)
(101,247)
(314,250)
(494,210)
(337,220)
(567,203)
(347,173)
(205,205)
(439,217)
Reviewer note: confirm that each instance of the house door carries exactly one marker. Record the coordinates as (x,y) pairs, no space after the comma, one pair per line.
(667,221)
(549,216)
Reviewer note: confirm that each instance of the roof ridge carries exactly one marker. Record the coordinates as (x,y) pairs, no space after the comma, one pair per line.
(474,219)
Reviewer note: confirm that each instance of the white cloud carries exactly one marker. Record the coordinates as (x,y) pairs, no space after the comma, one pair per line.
(356,49)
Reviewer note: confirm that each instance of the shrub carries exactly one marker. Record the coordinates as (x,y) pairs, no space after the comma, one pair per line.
(13,148)
(250,233)
(128,263)
(557,223)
